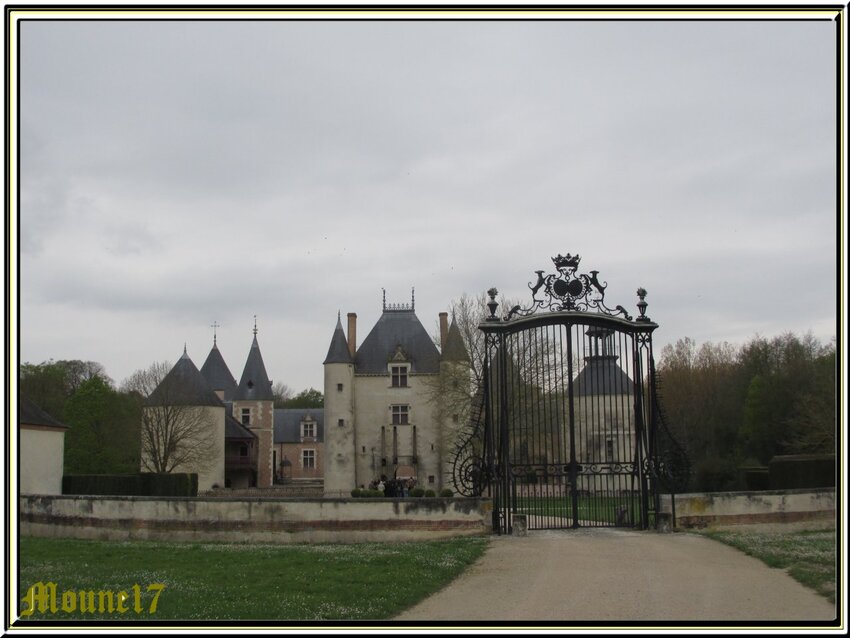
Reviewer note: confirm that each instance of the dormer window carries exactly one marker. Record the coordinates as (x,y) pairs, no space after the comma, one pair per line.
(308,429)
(399,376)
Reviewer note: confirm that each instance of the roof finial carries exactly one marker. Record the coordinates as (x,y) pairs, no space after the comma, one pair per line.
(184,349)
(413,298)
(255,325)
(215,325)
(384,306)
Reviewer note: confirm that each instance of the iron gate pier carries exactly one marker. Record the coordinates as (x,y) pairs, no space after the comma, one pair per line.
(568,417)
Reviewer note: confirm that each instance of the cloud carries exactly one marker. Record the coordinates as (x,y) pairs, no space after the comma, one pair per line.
(176,173)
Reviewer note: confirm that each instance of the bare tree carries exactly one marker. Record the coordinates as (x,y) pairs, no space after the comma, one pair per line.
(282,393)
(178,432)
(535,364)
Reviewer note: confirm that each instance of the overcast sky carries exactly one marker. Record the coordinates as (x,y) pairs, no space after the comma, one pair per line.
(179,173)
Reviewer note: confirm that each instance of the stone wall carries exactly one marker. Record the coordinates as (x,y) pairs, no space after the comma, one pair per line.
(746,508)
(253,520)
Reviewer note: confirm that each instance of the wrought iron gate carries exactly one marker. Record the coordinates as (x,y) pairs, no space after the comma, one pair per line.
(569,430)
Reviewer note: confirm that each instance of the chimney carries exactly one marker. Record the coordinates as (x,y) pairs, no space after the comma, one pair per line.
(444,330)
(352,333)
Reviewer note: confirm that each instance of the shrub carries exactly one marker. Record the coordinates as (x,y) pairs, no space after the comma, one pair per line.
(143,484)
(801,471)
(430,493)
(715,474)
(356,492)
(755,478)
(446,492)
(417,492)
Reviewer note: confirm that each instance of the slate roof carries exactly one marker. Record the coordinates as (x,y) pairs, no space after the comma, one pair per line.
(254,384)
(235,430)
(455,349)
(338,351)
(217,374)
(184,385)
(31,414)
(397,328)
(287,424)
(600,376)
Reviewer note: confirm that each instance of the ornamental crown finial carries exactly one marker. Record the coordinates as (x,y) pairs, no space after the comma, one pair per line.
(566,261)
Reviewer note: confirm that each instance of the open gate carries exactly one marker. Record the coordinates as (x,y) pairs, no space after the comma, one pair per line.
(569,430)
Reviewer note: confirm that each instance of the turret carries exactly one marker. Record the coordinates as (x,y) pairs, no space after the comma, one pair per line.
(217,374)
(253,407)
(184,410)
(454,411)
(340,440)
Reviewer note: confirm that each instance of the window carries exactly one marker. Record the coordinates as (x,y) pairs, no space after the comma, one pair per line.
(431,479)
(399,375)
(400,414)
(243,450)
(341,422)
(308,429)
(339,387)
(246,416)
(308,459)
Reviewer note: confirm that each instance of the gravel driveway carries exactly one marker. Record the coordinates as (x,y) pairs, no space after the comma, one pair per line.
(619,575)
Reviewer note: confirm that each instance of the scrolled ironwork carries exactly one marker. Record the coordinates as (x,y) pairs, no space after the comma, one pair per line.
(672,465)
(567,291)
(607,468)
(470,472)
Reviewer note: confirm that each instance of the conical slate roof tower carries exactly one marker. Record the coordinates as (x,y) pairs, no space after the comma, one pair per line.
(218,375)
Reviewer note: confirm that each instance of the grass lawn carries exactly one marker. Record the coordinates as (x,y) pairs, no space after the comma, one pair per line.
(601,509)
(808,556)
(369,581)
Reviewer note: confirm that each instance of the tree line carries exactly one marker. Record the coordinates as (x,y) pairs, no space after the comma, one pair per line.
(106,422)
(737,406)
(728,406)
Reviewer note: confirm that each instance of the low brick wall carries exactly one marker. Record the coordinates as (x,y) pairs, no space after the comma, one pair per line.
(255,520)
(746,508)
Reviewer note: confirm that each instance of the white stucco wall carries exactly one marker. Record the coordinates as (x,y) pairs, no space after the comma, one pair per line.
(339,465)
(373,397)
(42,460)
(600,418)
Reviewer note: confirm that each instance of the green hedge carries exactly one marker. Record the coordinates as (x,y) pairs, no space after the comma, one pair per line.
(801,471)
(756,478)
(144,484)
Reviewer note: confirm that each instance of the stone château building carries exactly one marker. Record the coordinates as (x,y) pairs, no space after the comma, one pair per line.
(254,435)
(383,413)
